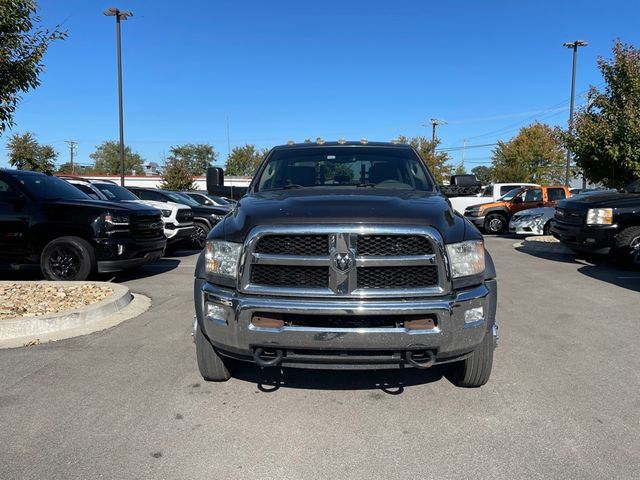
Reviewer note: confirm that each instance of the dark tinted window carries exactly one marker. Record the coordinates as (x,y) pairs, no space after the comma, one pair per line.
(533,195)
(348,166)
(556,194)
(115,192)
(5,189)
(49,188)
(506,188)
(150,195)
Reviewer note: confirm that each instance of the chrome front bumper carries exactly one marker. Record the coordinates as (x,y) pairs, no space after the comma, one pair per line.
(228,326)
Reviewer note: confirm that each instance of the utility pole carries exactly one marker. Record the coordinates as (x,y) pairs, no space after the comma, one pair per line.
(120,15)
(228,140)
(72,148)
(574,46)
(464,145)
(435,122)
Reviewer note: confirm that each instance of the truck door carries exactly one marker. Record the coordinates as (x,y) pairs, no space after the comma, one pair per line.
(14,222)
(531,198)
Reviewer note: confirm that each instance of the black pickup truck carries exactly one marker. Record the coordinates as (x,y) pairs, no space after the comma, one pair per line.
(345,255)
(607,222)
(45,220)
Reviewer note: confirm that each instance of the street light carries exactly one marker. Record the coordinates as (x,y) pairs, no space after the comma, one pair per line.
(120,15)
(574,46)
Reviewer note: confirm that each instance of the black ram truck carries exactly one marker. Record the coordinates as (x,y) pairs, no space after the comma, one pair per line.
(345,255)
(607,222)
(45,220)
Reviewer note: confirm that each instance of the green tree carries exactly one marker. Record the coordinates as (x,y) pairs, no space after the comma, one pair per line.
(460,170)
(244,161)
(177,175)
(22,45)
(438,162)
(25,153)
(107,159)
(198,157)
(534,155)
(483,173)
(606,141)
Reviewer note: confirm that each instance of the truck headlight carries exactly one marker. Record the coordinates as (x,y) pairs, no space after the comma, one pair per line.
(221,258)
(600,216)
(467,258)
(166,213)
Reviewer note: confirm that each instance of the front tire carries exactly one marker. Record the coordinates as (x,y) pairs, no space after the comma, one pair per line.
(627,248)
(475,370)
(211,365)
(67,259)
(199,236)
(495,223)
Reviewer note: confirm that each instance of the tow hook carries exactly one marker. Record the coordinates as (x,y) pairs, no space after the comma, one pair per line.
(426,362)
(267,361)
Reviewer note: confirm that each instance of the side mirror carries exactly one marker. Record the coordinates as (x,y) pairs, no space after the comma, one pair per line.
(517,200)
(215,179)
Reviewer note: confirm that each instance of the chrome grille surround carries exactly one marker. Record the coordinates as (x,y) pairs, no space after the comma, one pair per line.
(343,283)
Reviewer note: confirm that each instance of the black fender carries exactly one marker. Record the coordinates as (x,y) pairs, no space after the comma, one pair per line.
(204,220)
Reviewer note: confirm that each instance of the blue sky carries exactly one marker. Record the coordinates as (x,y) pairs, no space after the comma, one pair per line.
(284,70)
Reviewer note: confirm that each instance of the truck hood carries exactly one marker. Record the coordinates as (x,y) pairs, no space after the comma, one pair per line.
(104,206)
(335,206)
(596,200)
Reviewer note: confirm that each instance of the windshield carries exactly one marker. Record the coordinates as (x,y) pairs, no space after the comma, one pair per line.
(46,187)
(633,187)
(509,195)
(182,198)
(115,192)
(347,166)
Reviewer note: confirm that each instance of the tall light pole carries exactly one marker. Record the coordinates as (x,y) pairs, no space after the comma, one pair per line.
(120,15)
(574,46)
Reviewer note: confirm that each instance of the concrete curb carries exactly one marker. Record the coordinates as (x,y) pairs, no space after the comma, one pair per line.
(119,306)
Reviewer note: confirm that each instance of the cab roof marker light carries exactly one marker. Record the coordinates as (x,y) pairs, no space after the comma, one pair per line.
(290,142)
(342,141)
(319,141)
(364,141)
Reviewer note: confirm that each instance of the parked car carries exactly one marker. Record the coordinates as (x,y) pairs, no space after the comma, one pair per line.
(535,221)
(364,268)
(490,193)
(45,220)
(602,223)
(204,217)
(493,217)
(176,217)
(204,198)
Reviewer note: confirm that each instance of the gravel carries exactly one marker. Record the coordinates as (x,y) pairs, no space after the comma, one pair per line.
(36,299)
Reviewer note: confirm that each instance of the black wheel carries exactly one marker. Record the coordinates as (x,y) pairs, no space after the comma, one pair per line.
(211,365)
(546,230)
(495,223)
(67,258)
(199,235)
(627,249)
(475,370)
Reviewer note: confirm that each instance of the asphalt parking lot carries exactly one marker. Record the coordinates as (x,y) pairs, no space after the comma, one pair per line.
(563,400)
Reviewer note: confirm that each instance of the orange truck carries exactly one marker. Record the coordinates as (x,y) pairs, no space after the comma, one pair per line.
(493,218)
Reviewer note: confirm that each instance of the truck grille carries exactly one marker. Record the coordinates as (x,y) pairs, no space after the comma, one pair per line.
(573,217)
(398,277)
(307,245)
(345,261)
(290,276)
(184,215)
(147,227)
(393,245)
